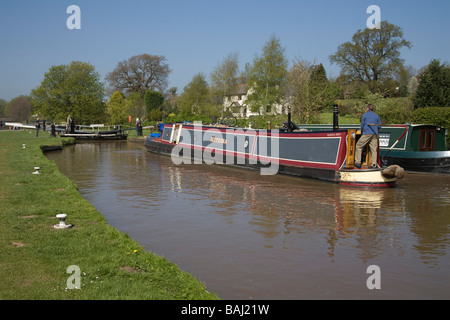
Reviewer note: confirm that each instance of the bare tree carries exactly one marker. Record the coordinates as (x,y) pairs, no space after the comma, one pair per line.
(139,74)
(19,108)
(303,93)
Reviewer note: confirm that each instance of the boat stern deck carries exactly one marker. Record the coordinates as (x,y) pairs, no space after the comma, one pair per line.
(366,178)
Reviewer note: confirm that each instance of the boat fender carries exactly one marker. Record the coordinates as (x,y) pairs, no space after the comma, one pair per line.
(393,171)
(399,173)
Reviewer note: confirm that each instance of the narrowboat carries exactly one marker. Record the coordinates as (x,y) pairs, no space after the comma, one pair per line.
(324,155)
(414,147)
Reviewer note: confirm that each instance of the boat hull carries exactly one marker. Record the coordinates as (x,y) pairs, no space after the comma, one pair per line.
(370,178)
(420,161)
(310,155)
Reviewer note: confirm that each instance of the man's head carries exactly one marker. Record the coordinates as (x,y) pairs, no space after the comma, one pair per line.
(370,107)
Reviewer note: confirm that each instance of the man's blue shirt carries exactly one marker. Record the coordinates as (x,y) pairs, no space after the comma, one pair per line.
(369,117)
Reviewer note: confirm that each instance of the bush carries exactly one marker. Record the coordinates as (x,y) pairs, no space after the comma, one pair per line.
(390,110)
(349,107)
(439,116)
(394,110)
(434,86)
(155,115)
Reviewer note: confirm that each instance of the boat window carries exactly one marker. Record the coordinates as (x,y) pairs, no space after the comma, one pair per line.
(426,140)
(430,139)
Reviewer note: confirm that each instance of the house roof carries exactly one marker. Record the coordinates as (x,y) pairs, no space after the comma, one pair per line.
(239,89)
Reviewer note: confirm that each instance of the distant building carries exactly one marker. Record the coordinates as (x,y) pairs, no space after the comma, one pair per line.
(235,103)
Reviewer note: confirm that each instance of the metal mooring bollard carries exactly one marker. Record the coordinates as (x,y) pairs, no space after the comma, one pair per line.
(36,170)
(62,222)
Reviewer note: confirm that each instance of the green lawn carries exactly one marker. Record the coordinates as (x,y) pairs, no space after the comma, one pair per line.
(327,118)
(35,257)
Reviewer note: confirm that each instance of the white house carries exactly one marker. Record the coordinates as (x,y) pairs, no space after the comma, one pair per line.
(235,102)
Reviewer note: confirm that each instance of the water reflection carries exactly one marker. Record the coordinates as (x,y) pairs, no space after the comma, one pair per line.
(252,236)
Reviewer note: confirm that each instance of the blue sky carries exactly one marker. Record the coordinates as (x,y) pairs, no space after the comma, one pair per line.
(196,35)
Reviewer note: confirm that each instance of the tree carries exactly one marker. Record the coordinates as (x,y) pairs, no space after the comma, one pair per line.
(434,86)
(2,107)
(319,76)
(319,84)
(139,74)
(73,89)
(153,102)
(19,108)
(135,105)
(117,108)
(196,98)
(267,76)
(225,76)
(373,56)
(305,89)
(413,84)
(308,90)
(170,104)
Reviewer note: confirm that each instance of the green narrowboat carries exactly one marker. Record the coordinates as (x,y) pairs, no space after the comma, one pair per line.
(415,147)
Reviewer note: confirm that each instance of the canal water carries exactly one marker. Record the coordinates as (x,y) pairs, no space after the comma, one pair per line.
(249,236)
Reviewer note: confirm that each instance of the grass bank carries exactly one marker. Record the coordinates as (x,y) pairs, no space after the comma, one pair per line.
(34,257)
(132,134)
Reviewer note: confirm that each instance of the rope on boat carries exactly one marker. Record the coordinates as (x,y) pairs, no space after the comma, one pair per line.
(393,171)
